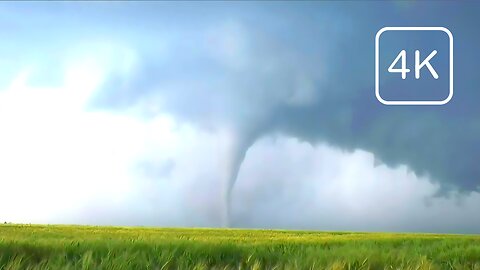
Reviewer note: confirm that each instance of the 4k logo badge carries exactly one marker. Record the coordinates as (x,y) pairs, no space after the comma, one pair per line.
(414,65)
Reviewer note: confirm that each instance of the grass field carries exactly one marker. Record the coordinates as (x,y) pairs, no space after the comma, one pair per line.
(85,247)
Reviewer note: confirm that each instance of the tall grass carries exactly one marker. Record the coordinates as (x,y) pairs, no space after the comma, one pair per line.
(88,247)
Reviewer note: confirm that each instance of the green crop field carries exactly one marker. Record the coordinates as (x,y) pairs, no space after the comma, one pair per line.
(87,247)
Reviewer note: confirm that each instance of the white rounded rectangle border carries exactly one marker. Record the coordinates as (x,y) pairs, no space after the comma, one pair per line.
(413,102)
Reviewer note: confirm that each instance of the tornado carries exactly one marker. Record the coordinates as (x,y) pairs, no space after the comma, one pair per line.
(239,142)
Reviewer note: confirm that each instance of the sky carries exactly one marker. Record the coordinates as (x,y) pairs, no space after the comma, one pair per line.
(239,114)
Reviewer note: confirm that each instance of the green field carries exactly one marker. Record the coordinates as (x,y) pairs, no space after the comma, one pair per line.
(86,247)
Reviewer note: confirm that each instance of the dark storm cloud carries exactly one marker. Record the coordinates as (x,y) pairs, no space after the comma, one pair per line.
(307,69)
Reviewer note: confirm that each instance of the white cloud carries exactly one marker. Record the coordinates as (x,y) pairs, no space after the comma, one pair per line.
(289,184)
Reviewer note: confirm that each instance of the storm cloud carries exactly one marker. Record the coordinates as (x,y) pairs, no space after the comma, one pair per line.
(307,71)
(247,72)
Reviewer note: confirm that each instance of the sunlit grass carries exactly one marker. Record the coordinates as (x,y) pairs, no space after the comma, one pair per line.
(87,247)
